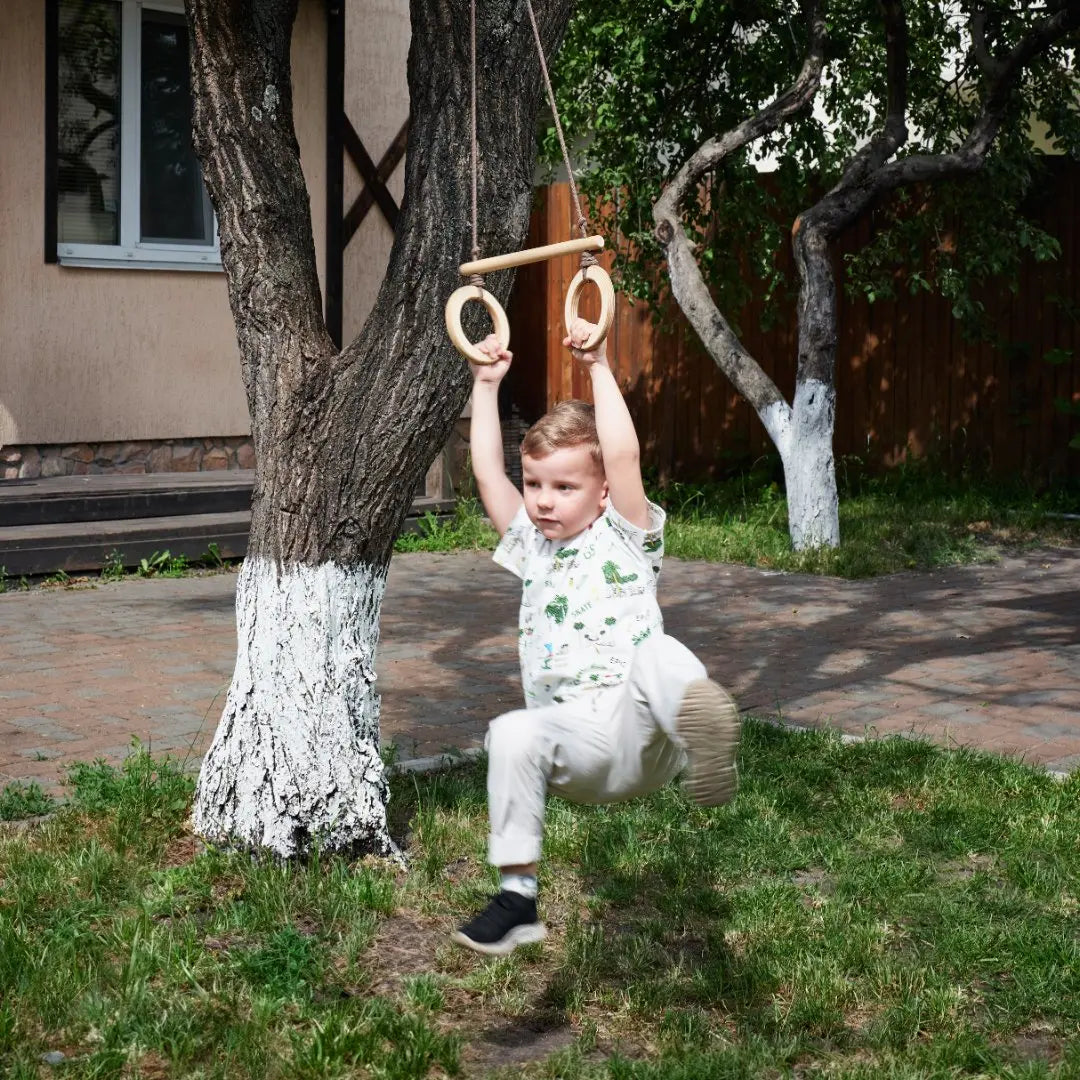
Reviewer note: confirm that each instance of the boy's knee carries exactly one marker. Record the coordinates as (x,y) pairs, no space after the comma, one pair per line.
(513,735)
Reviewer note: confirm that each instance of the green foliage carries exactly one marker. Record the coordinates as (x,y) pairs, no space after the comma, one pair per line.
(113,567)
(144,799)
(212,557)
(912,517)
(649,83)
(163,564)
(19,800)
(467,529)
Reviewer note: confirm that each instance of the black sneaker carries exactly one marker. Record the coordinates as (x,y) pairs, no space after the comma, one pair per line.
(507,922)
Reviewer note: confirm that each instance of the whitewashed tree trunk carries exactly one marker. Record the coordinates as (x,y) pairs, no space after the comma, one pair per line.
(802,430)
(803,435)
(295,759)
(809,469)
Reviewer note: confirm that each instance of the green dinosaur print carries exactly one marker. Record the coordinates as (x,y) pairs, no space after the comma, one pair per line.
(558,608)
(579,626)
(566,553)
(610,620)
(527,582)
(613,576)
(639,638)
(654,544)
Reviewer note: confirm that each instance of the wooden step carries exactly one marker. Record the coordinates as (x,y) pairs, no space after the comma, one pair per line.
(113,498)
(89,545)
(27,550)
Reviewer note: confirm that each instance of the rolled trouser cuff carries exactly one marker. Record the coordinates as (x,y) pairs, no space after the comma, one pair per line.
(514,847)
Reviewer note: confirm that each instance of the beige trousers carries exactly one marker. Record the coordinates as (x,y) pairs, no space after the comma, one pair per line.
(602,746)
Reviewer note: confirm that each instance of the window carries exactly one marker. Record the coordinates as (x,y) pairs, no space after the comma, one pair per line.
(129,190)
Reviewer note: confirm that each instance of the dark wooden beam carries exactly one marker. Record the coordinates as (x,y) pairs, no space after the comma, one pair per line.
(335,166)
(374,177)
(52,125)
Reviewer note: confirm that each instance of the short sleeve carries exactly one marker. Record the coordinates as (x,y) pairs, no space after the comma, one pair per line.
(648,542)
(516,545)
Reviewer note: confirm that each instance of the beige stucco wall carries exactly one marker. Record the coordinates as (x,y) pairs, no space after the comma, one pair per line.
(90,355)
(377,102)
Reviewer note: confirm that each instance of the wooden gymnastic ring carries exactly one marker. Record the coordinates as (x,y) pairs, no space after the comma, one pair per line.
(599,277)
(458,299)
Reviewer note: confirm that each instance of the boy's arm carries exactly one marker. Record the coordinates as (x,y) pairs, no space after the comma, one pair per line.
(500,498)
(615,428)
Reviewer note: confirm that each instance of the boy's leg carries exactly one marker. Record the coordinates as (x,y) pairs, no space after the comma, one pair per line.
(671,689)
(527,749)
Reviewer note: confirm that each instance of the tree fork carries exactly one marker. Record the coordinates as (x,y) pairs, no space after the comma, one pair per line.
(341,438)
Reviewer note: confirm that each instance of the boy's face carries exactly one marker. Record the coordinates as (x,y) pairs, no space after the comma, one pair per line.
(565,492)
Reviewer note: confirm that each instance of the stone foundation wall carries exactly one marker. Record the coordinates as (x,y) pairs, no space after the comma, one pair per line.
(168,455)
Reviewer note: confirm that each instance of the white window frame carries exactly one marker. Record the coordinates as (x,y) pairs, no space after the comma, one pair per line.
(131,251)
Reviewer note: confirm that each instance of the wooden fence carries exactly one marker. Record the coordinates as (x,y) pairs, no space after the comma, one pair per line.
(908,383)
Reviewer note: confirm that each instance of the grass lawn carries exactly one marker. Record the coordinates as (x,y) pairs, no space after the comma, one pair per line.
(887,909)
(905,519)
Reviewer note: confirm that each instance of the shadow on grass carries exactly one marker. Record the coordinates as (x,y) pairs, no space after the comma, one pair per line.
(638,923)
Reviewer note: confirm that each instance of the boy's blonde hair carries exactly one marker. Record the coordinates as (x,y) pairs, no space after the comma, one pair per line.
(570,423)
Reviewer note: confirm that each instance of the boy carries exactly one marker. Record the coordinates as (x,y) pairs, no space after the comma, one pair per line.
(615,708)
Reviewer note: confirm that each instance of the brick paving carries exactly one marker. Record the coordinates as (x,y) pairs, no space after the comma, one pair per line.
(981,656)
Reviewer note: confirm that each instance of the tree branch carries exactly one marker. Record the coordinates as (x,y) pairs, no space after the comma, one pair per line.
(847,200)
(893,132)
(979,50)
(242,123)
(687,284)
(792,100)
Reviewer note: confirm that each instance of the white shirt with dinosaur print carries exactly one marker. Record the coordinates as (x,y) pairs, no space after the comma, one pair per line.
(586,603)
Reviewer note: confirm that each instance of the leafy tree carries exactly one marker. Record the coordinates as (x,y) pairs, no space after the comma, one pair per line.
(934,113)
(342,437)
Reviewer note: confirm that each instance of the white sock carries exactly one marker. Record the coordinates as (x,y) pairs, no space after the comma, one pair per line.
(523,884)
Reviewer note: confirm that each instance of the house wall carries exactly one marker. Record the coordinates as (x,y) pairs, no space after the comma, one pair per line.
(88,355)
(377,36)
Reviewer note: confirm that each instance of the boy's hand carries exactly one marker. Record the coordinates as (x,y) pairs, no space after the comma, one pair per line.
(580,332)
(501,358)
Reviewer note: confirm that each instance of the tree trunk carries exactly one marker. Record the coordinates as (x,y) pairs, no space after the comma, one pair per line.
(809,470)
(341,439)
(296,755)
(802,431)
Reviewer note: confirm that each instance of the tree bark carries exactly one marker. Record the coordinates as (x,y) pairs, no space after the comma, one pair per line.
(342,439)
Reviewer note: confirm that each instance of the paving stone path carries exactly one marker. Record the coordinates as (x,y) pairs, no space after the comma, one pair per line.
(985,656)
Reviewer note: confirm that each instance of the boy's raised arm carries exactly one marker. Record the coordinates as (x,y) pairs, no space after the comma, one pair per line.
(615,429)
(500,498)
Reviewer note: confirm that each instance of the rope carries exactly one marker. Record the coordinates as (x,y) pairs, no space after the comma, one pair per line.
(582,222)
(472,69)
(587,257)
(475,279)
